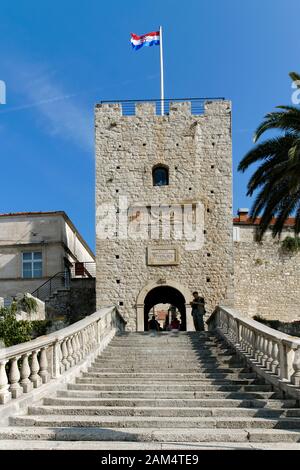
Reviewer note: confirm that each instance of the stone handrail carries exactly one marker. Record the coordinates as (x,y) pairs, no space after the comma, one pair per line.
(274,354)
(31,364)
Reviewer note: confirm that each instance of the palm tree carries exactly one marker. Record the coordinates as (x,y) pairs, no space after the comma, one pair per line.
(278,176)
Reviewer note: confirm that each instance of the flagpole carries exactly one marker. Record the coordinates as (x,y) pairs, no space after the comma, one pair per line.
(161,71)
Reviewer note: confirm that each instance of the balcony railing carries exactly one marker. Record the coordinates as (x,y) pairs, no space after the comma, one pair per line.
(129,106)
(83,269)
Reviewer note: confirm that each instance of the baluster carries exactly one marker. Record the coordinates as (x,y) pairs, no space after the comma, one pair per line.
(245,339)
(89,334)
(5,394)
(250,342)
(248,346)
(95,335)
(101,329)
(275,363)
(295,379)
(256,349)
(70,352)
(26,384)
(64,351)
(243,342)
(34,377)
(77,347)
(44,374)
(269,353)
(82,344)
(241,336)
(74,347)
(265,350)
(230,332)
(253,344)
(233,330)
(80,348)
(239,333)
(260,348)
(14,378)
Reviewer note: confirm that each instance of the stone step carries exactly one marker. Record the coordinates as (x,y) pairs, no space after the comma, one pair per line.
(194,378)
(166,402)
(160,357)
(100,372)
(170,363)
(164,411)
(147,351)
(157,347)
(188,349)
(123,445)
(162,375)
(179,435)
(82,390)
(164,362)
(164,339)
(161,388)
(160,422)
(142,388)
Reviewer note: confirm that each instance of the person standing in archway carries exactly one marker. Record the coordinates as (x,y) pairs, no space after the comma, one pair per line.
(153,325)
(198,311)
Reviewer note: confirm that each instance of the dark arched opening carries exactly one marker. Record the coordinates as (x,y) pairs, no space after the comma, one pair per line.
(165,295)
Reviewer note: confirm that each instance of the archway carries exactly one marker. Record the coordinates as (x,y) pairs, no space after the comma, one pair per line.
(164,291)
(165,295)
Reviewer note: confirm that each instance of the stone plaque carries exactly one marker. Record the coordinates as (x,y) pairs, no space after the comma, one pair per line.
(162,256)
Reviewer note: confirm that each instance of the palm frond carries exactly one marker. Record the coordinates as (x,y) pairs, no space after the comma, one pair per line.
(267,149)
(296,78)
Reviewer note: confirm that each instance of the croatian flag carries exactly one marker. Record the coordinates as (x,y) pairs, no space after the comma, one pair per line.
(149,39)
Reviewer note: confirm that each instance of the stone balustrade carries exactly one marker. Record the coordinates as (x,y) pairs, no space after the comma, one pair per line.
(29,365)
(273,354)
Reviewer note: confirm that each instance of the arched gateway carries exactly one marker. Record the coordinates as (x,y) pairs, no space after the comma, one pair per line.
(168,291)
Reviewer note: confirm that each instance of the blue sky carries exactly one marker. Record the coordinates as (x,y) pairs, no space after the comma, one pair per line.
(58,58)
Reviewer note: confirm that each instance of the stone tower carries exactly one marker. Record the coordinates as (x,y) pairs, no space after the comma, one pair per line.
(155,176)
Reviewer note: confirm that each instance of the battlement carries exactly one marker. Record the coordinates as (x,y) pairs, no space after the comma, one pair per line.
(174,106)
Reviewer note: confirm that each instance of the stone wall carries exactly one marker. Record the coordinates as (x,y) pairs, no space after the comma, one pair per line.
(266,279)
(75,302)
(197,151)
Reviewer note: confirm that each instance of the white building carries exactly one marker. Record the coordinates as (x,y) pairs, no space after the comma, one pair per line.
(35,246)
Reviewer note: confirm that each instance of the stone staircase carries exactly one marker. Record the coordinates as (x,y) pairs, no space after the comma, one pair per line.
(161,389)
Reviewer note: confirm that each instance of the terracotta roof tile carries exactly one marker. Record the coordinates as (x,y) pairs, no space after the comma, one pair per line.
(290,222)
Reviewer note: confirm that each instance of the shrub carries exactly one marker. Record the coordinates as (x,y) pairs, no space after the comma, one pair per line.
(28,304)
(40,327)
(13,331)
(271,323)
(291,244)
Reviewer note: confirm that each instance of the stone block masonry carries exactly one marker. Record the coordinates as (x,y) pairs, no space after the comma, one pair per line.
(196,150)
(267,279)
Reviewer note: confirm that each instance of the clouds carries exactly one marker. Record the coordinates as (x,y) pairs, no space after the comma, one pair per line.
(58,112)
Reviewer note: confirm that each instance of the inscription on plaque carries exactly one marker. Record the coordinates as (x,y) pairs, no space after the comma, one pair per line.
(163,256)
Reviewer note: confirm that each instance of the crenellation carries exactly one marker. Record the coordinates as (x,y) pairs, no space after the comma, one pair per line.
(180,109)
(145,109)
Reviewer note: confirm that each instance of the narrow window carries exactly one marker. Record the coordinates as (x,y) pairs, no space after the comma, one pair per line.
(160,176)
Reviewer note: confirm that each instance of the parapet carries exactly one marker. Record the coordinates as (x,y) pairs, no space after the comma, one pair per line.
(172,107)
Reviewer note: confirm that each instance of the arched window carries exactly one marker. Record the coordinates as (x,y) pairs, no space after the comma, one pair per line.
(160,175)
